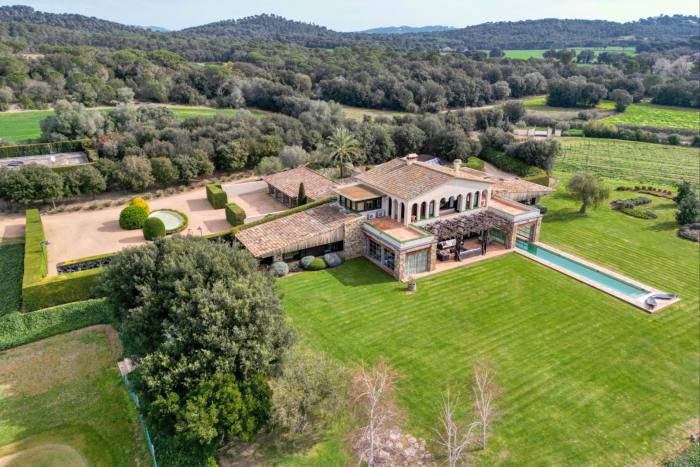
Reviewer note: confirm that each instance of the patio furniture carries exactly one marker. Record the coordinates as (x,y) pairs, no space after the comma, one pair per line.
(443,255)
(651,302)
(470,253)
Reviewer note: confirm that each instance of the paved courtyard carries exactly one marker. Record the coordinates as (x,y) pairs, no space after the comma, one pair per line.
(253,198)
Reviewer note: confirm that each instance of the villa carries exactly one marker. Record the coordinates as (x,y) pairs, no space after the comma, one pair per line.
(405,216)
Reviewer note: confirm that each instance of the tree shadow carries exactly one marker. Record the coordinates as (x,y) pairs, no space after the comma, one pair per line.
(132,240)
(360,272)
(662,226)
(201,204)
(563,215)
(217,225)
(110,226)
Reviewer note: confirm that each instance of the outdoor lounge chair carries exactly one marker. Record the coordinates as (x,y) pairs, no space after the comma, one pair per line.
(443,255)
(651,302)
(664,296)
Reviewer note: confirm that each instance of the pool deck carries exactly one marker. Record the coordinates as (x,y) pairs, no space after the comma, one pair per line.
(637,302)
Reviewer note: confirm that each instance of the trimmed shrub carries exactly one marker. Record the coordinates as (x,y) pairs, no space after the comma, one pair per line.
(35,254)
(140,202)
(235,215)
(306,260)
(22,328)
(635,213)
(316,265)
(132,218)
(61,289)
(217,196)
(280,268)
(332,260)
(153,228)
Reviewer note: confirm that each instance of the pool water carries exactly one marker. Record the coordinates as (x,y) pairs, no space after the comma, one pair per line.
(171,219)
(581,269)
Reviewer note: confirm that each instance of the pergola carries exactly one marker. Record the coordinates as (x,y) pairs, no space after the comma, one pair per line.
(458,227)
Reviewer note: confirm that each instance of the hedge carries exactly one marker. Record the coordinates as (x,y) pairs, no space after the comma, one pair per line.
(217,196)
(63,169)
(235,215)
(282,214)
(39,149)
(19,329)
(61,289)
(35,256)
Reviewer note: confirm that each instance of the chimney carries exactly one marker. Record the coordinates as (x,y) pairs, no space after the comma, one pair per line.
(457,165)
(411,158)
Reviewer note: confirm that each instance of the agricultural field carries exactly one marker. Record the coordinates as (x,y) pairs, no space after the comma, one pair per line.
(538,53)
(538,105)
(630,160)
(586,378)
(658,116)
(64,403)
(17,127)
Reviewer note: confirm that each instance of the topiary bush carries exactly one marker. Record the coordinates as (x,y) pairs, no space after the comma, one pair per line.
(216,195)
(153,228)
(279,268)
(332,260)
(316,265)
(132,218)
(140,202)
(235,215)
(306,260)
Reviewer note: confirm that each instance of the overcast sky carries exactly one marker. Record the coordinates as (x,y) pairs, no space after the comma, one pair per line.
(354,15)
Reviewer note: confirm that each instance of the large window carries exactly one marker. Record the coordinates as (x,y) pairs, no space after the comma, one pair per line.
(381,255)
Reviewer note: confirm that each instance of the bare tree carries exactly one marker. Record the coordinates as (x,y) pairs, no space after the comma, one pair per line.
(454,437)
(485,391)
(372,390)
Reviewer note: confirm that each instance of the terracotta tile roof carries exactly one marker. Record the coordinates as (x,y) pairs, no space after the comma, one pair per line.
(316,185)
(410,180)
(306,229)
(357,192)
(519,189)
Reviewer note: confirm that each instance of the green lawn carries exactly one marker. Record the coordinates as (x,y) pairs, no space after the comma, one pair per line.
(538,53)
(586,378)
(16,127)
(630,160)
(657,116)
(63,402)
(11,266)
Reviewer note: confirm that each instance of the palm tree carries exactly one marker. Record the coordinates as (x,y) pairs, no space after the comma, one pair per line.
(344,148)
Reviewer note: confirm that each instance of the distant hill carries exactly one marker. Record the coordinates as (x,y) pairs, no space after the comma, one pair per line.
(28,15)
(155,28)
(213,41)
(406,29)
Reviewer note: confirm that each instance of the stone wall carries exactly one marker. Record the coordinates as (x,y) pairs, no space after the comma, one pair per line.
(354,239)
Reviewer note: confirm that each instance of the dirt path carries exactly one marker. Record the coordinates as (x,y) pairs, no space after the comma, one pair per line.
(496,172)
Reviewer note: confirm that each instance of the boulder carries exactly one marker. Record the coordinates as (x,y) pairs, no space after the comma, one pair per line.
(332,260)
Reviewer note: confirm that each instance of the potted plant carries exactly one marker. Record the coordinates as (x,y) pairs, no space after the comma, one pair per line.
(411,284)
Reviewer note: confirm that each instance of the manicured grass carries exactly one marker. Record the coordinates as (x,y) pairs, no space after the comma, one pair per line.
(630,160)
(16,127)
(657,116)
(586,378)
(11,265)
(538,53)
(64,403)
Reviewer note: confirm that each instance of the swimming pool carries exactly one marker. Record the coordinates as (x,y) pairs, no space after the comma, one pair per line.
(588,272)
